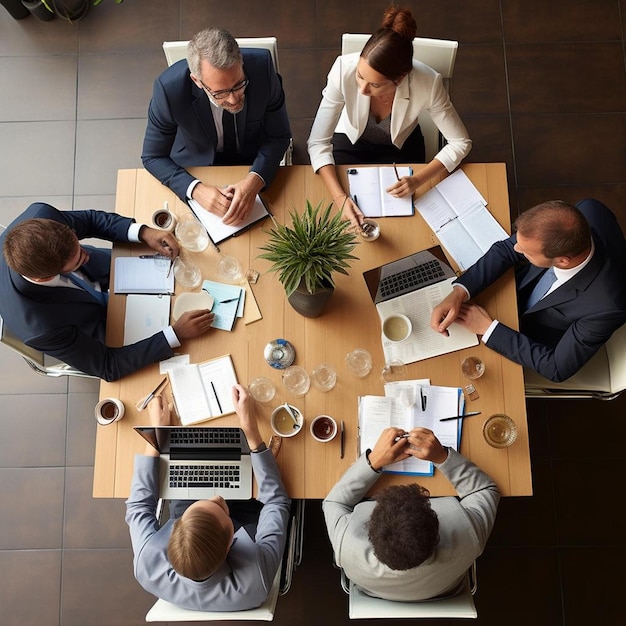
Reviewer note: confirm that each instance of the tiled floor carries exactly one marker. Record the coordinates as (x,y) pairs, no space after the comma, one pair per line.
(540,85)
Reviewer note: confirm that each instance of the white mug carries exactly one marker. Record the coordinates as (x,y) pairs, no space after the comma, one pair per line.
(163,219)
(109,410)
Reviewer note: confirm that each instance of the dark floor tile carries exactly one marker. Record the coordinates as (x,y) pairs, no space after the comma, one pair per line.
(117,85)
(55,77)
(33,430)
(31,36)
(91,522)
(332,20)
(302,93)
(102,148)
(567,78)
(31,517)
(29,593)
(300,130)
(290,22)
(137,26)
(563,149)
(41,158)
(518,586)
(538,435)
(81,428)
(536,21)
(478,85)
(593,585)
(528,521)
(98,588)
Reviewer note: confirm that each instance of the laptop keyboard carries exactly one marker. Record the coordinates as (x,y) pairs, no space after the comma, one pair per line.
(205,436)
(223,476)
(410,279)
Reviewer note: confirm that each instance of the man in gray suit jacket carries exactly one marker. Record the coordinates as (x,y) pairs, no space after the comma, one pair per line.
(403,545)
(238,560)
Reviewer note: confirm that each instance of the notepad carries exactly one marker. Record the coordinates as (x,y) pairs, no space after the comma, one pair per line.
(136,275)
(228,303)
(367,188)
(203,391)
(145,316)
(458,215)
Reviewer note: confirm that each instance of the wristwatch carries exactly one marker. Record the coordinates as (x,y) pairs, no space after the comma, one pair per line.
(261,448)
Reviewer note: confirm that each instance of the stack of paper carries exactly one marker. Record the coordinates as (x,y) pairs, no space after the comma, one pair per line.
(408,404)
(228,303)
(368,187)
(458,215)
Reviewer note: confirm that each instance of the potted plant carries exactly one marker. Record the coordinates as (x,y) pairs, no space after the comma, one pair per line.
(307,255)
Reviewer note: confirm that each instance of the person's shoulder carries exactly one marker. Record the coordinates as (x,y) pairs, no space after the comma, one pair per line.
(176,73)
(422,71)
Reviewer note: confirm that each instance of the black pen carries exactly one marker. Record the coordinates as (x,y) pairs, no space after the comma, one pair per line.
(395,169)
(219,406)
(355,200)
(343,440)
(423,399)
(229,300)
(459,417)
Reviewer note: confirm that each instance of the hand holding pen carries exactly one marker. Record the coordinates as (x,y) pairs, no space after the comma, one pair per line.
(423,444)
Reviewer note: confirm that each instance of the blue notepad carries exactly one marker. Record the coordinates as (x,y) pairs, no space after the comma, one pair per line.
(228,303)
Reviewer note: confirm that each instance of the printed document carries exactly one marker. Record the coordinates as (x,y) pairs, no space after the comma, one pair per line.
(368,189)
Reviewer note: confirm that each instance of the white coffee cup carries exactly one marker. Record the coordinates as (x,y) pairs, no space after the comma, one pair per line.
(163,219)
(397,327)
(109,410)
(323,428)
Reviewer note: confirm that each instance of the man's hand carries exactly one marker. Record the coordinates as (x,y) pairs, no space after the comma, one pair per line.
(474,318)
(387,450)
(193,324)
(163,242)
(244,194)
(447,310)
(404,187)
(159,412)
(422,444)
(244,407)
(215,200)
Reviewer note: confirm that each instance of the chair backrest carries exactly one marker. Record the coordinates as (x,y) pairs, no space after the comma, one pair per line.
(440,54)
(602,377)
(177,50)
(362,606)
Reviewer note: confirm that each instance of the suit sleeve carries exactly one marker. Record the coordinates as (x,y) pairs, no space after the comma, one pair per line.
(89,355)
(339,504)
(478,493)
(271,531)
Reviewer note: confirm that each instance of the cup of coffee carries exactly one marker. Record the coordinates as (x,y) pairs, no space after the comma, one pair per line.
(397,327)
(164,220)
(283,423)
(109,410)
(323,428)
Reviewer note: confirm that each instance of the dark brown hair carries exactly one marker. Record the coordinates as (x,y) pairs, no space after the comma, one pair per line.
(561,228)
(389,51)
(403,528)
(198,544)
(39,248)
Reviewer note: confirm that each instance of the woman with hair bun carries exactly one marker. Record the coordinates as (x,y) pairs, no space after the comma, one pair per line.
(369,113)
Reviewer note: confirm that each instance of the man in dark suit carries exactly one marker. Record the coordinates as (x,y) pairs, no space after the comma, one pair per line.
(53,289)
(222,107)
(570,264)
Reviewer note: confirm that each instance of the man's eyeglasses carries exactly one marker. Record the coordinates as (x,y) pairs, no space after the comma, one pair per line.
(224,93)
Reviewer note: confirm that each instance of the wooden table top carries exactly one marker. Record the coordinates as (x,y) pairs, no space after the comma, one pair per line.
(310,468)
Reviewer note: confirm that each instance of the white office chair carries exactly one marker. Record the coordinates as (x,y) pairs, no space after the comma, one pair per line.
(440,54)
(362,606)
(163,611)
(38,361)
(177,50)
(603,377)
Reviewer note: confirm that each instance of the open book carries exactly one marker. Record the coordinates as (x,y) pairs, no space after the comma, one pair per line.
(218,231)
(134,274)
(367,188)
(405,411)
(457,213)
(203,391)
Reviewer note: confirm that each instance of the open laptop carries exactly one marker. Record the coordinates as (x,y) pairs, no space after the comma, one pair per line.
(408,274)
(199,462)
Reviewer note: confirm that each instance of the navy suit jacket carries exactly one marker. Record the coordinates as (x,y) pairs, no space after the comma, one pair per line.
(181,132)
(560,333)
(68,323)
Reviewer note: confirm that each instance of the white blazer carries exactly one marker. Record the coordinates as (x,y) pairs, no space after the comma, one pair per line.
(344,109)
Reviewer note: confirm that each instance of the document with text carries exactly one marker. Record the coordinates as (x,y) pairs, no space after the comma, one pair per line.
(368,187)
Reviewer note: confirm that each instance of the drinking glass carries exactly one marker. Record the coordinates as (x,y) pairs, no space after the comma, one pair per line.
(262,389)
(191,233)
(500,431)
(394,371)
(186,272)
(324,377)
(472,367)
(370,229)
(359,361)
(296,380)
(229,269)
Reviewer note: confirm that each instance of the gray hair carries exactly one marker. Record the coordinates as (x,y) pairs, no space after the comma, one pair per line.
(215,45)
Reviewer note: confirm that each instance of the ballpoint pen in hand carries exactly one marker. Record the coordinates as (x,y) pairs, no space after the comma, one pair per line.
(142,404)
(399,437)
(395,169)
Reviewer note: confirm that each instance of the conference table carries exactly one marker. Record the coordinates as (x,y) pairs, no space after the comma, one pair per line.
(310,468)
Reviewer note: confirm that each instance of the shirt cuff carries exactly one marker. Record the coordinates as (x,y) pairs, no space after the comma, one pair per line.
(171,337)
(259,175)
(488,332)
(133,232)
(192,186)
(464,288)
